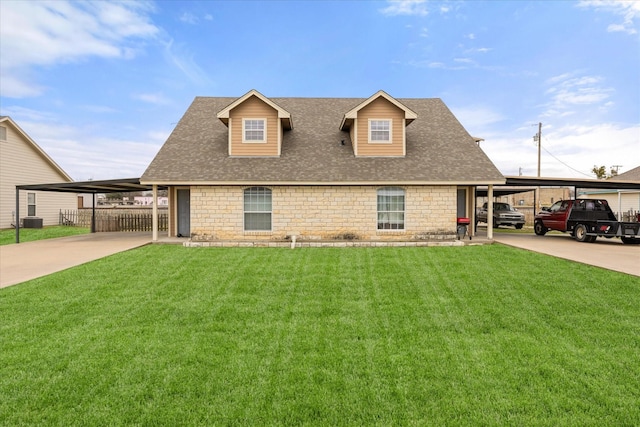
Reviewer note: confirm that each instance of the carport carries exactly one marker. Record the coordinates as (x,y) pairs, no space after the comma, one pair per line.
(123,185)
(520,184)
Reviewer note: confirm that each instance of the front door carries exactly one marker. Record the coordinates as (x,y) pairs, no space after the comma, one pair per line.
(461,209)
(184,213)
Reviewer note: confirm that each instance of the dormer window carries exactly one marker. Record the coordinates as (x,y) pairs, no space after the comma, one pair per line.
(256,126)
(380,131)
(254,130)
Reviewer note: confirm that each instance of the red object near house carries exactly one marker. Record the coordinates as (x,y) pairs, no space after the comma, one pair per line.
(463,221)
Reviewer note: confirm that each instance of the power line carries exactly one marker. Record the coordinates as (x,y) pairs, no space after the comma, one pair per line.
(572,168)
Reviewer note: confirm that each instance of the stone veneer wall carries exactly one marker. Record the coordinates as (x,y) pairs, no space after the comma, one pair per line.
(323,213)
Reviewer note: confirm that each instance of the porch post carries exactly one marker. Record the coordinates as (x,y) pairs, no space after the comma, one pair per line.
(154,220)
(490,212)
(93,212)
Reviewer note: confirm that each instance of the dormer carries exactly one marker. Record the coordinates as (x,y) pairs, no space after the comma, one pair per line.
(377,126)
(256,126)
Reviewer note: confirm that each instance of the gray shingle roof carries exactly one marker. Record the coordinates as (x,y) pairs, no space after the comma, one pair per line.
(439,149)
(630,175)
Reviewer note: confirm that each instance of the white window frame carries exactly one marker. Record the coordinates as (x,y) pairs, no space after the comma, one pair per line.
(257,191)
(31,204)
(3,133)
(244,131)
(371,130)
(384,221)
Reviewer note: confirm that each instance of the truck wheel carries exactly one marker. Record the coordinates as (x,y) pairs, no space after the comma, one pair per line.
(539,228)
(630,240)
(495,223)
(591,239)
(580,232)
(519,226)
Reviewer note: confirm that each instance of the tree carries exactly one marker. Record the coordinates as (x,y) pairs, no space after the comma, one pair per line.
(114,196)
(601,172)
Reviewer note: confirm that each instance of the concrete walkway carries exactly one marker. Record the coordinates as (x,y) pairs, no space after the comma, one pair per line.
(26,261)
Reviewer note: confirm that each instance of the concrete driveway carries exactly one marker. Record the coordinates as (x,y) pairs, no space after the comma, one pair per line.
(26,261)
(611,254)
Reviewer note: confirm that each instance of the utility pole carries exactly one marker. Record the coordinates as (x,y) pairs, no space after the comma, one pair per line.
(538,139)
(539,145)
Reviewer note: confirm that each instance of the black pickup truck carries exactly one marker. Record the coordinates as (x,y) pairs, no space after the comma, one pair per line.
(586,220)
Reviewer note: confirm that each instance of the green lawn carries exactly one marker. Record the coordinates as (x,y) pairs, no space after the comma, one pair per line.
(8,236)
(477,335)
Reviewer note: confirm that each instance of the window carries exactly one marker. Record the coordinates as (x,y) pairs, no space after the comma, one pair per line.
(31,204)
(391,208)
(254,130)
(380,130)
(257,209)
(3,133)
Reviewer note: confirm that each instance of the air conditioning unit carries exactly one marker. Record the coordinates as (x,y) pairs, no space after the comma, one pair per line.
(31,222)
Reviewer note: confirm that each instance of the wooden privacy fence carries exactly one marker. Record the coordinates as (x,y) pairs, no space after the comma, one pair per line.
(115,219)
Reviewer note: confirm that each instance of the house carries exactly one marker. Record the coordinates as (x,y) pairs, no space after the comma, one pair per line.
(624,203)
(23,162)
(377,169)
(148,201)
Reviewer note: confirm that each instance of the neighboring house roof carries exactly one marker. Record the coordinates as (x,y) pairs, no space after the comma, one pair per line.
(630,175)
(6,120)
(438,149)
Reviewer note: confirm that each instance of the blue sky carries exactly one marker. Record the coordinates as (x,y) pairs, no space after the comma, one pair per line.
(100,86)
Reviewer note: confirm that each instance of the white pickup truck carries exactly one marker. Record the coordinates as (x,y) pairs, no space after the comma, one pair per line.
(503,214)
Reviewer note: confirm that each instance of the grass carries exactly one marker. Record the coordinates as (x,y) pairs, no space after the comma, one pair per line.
(478,335)
(8,236)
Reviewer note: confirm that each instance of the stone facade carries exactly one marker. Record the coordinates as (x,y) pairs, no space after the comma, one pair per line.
(315,213)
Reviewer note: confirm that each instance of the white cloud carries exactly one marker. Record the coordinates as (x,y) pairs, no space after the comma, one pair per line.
(569,151)
(45,33)
(152,98)
(405,7)
(568,91)
(184,61)
(628,11)
(189,18)
(477,119)
(99,109)
(84,154)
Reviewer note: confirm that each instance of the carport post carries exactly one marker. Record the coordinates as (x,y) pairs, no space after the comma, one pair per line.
(93,212)
(17,215)
(154,221)
(490,212)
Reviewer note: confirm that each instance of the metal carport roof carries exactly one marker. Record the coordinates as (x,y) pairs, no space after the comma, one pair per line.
(105,186)
(572,182)
(522,184)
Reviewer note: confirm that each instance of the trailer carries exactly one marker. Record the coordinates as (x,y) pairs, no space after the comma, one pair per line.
(586,220)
